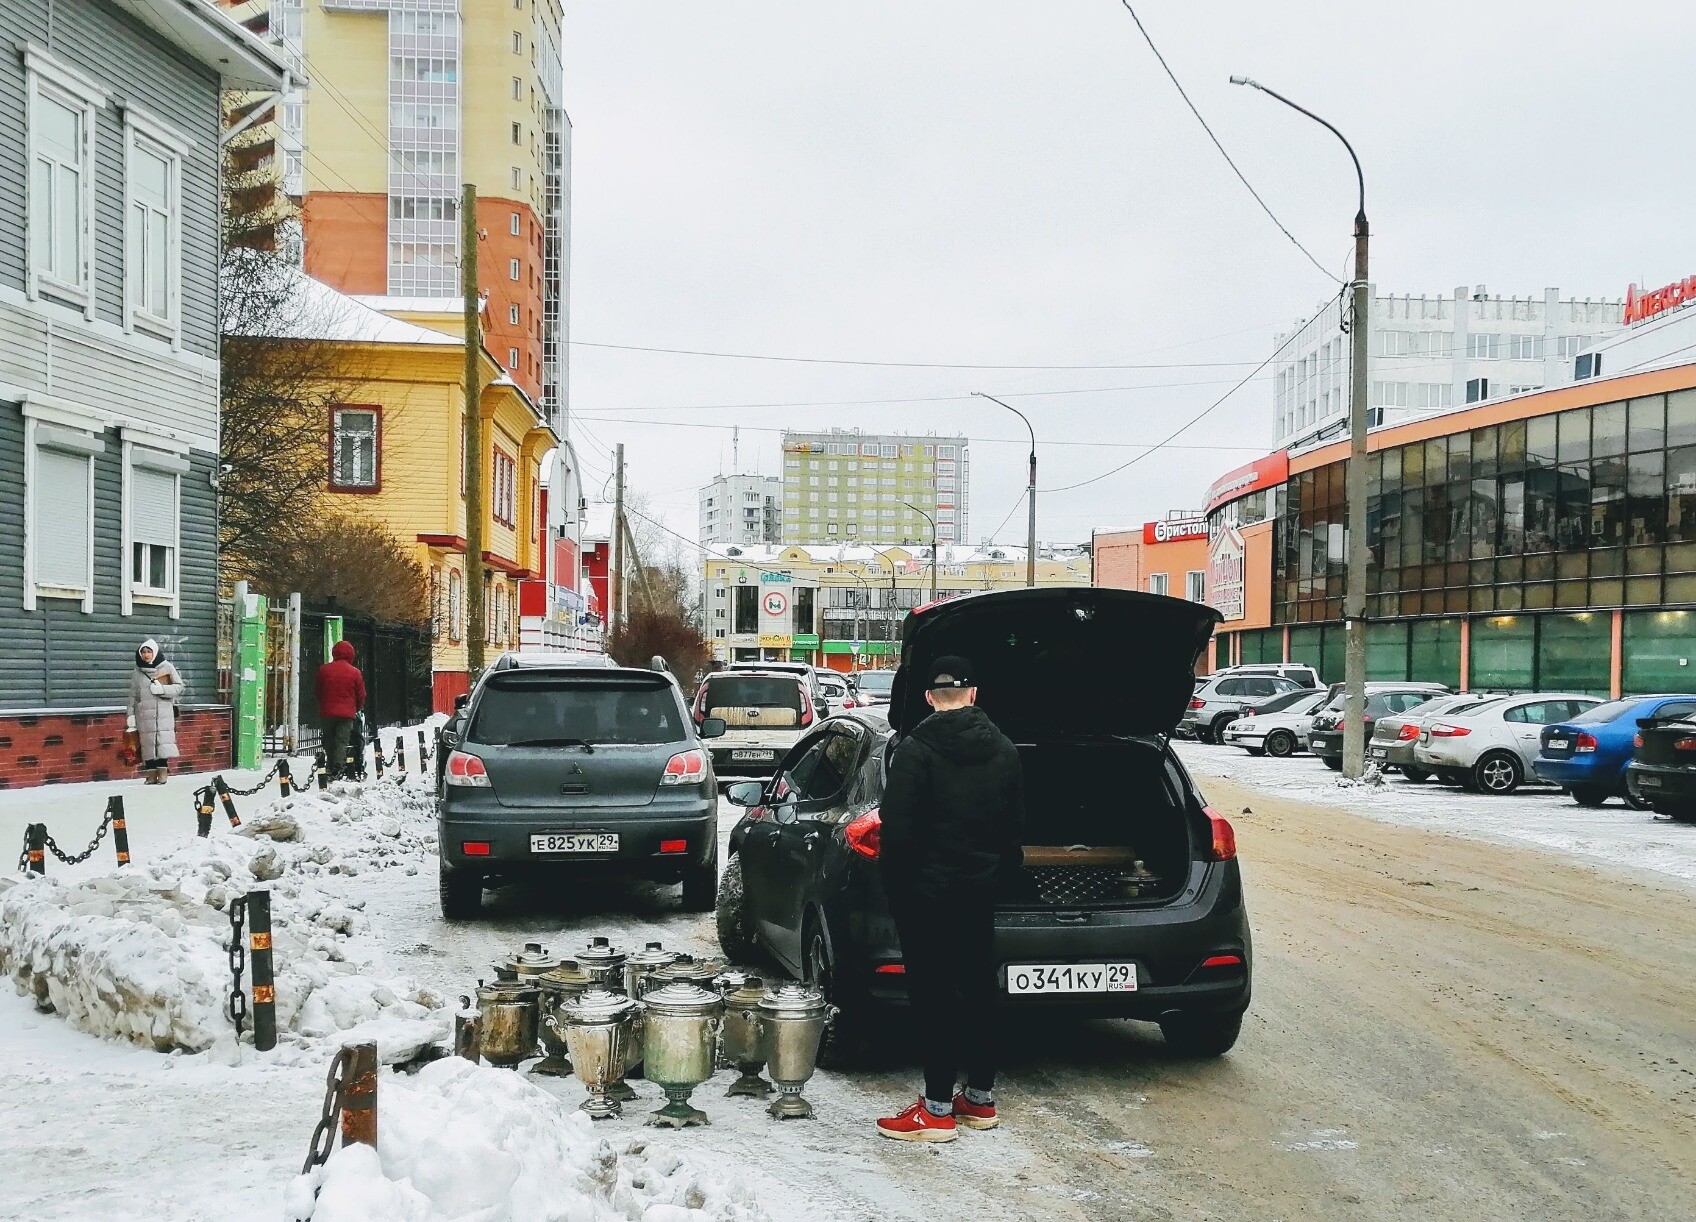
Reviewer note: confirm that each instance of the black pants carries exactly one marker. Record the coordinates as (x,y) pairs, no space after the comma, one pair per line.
(948,946)
(336,731)
(150,765)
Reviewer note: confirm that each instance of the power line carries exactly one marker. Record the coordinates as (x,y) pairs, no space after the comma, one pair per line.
(1188,424)
(1264,206)
(1010,514)
(820,360)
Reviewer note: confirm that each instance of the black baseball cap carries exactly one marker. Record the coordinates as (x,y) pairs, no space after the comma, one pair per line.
(950,671)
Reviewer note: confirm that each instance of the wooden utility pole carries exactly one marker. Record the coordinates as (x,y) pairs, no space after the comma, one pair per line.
(475,613)
(641,569)
(615,578)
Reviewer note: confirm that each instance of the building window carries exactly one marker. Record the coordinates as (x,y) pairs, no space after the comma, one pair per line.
(515,223)
(155,489)
(503,486)
(517,43)
(354,449)
(1477,389)
(1484,347)
(1157,583)
(437,606)
(1525,347)
(512,314)
(152,231)
(517,138)
(512,358)
(456,605)
(517,183)
(517,89)
(59,474)
(512,269)
(1195,585)
(60,204)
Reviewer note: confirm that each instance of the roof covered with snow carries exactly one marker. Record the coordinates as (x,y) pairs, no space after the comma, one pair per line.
(309,309)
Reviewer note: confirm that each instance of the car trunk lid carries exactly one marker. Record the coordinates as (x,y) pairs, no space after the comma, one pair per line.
(1660,744)
(1056,662)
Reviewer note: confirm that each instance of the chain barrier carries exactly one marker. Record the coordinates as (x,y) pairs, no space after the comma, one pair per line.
(324,1135)
(53,847)
(262,782)
(237,948)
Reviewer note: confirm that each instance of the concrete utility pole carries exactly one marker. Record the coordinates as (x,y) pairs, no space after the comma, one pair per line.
(1030,492)
(1354,585)
(615,578)
(475,614)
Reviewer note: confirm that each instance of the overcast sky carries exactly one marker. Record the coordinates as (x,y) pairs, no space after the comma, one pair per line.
(1016,182)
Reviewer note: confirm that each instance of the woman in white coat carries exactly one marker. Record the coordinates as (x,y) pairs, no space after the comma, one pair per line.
(155,685)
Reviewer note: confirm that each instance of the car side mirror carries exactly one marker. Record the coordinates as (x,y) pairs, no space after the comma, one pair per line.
(786,812)
(459,703)
(711,727)
(744,793)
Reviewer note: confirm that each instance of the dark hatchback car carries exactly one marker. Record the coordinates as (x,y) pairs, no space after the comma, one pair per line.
(1130,903)
(1662,774)
(1325,739)
(567,768)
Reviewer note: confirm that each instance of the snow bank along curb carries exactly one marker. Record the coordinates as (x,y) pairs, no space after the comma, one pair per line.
(139,953)
(465,1142)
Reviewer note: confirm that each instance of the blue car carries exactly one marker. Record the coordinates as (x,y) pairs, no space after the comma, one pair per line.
(1587,755)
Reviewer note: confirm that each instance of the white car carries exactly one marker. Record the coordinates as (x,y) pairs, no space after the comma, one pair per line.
(1278,725)
(837,694)
(1491,747)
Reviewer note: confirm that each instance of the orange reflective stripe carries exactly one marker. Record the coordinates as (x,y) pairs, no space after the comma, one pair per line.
(264,994)
(259,941)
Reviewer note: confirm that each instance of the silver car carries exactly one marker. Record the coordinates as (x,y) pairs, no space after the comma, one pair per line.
(1491,747)
(1221,699)
(1395,737)
(1277,726)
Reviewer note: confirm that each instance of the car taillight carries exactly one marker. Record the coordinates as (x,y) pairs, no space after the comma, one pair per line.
(1444,730)
(806,708)
(685,768)
(865,834)
(701,704)
(1685,744)
(465,769)
(1637,741)
(1407,734)
(1586,742)
(849,704)
(1224,836)
(1198,703)
(1250,712)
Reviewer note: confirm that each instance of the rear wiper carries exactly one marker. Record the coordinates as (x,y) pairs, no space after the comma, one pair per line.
(588,747)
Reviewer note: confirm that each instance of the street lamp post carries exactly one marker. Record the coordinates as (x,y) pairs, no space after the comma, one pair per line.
(1030,493)
(1354,585)
(932,522)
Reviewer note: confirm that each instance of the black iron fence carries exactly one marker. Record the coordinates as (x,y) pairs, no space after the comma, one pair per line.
(395,659)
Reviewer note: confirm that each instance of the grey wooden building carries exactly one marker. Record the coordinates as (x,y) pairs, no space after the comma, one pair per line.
(109,234)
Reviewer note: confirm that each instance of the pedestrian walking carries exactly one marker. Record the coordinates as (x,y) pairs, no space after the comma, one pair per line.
(341,696)
(953,831)
(155,684)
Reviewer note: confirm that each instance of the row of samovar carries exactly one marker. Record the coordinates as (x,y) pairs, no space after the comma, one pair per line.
(607,1015)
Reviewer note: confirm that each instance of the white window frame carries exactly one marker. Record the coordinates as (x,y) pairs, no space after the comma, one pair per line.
(1157,583)
(512,314)
(142,131)
(512,269)
(84,430)
(49,78)
(161,453)
(375,483)
(1195,585)
(512,358)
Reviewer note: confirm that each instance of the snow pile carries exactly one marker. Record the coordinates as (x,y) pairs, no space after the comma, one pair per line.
(140,953)
(465,1142)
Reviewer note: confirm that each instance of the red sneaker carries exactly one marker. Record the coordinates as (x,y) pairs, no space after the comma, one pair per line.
(973,1115)
(917,1124)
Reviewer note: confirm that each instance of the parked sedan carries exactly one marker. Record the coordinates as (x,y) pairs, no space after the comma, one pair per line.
(838,694)
(1394,738)
(1278,726)
(1130,902)
(1663,774)
(1587,755)
(1325,739)
(1491,746)
(568,769)
(1221,699)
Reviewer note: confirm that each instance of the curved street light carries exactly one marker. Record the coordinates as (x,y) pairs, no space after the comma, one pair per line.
(1030,492)
(932,522)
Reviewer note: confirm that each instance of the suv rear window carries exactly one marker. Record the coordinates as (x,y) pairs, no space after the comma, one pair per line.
(542,710)
(726,694)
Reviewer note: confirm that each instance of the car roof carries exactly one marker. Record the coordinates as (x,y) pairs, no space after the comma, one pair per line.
(513,659)
(750,673)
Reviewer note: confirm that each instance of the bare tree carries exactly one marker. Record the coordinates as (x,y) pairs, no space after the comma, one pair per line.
(354,561)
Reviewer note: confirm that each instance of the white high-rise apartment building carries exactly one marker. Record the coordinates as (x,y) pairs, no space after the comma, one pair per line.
(845,486)
(741,509)
(1431,354)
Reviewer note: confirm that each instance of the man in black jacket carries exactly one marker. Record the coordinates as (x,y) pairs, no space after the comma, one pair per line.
(953,826)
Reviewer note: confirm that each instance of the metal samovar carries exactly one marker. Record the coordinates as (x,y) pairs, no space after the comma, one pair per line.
(679,1046)
(687,969)
(742,1038)
(794,1019)
(640,963)
(567,982)
(506,1022)
(596,1029)
(531,961)
(604,962)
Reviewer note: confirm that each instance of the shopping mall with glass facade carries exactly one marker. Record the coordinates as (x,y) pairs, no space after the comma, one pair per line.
(1542,541)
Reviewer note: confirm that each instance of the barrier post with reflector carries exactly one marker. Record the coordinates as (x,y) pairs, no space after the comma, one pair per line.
(264,970)
(120,829)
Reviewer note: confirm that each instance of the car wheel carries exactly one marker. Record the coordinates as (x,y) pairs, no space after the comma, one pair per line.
(700,887)
(1201,1035)
(843,1044)
(1588,795)
(1633,801)
(1416,775)
(1333,762)
(1280,743)
(735,931)
(460,892)
(1216,732)
(1498,773)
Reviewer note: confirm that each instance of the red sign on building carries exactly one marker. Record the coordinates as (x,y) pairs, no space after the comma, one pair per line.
(1641,306)
(1173,530)
(1257,476)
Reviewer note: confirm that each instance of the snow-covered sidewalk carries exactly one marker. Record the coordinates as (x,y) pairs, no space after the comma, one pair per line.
(1612,835)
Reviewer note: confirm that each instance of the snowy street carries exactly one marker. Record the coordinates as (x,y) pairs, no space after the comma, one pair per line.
(1444,1025)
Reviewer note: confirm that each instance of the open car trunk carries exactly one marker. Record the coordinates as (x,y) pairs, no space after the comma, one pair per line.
(1104,824)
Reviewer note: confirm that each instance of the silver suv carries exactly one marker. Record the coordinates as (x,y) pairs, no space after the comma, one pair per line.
(1221,699)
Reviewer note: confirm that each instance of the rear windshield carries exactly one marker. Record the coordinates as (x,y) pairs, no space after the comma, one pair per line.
(1604,713)
(1281,703)
(877,682)
(545,710)
(752,692)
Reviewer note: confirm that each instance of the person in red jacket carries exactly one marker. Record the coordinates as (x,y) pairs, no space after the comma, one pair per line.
(341,695)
